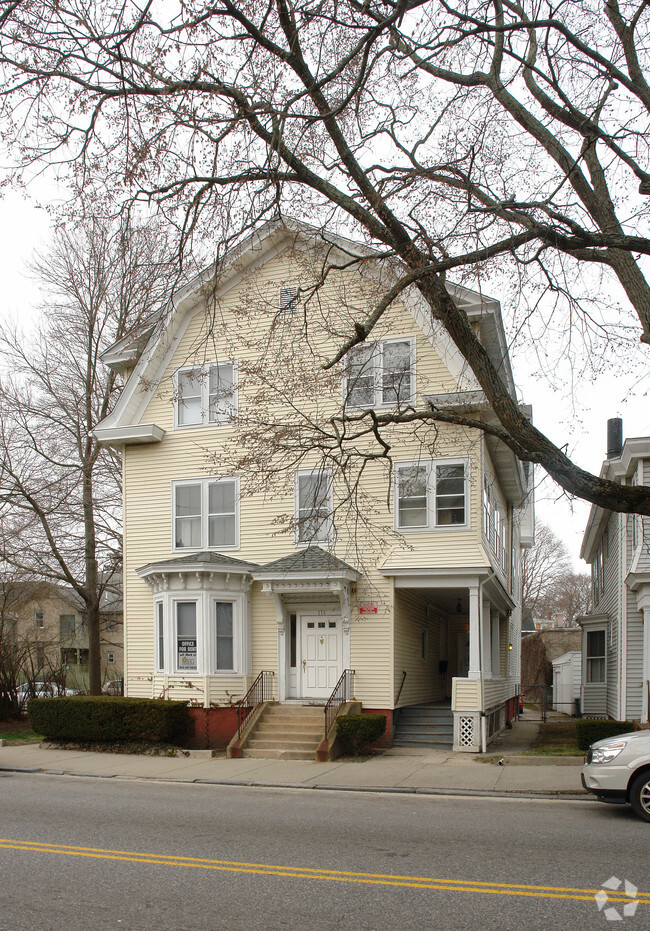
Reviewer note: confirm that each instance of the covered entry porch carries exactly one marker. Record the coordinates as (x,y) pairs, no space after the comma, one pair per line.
(454,641)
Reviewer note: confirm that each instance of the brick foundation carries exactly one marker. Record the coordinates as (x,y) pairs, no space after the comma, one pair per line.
(211,728)
(386,740)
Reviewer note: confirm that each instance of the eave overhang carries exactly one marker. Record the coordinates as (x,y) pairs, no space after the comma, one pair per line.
(129,436)
(510,469)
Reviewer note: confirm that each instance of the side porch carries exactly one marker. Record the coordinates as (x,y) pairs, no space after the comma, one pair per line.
(456,642)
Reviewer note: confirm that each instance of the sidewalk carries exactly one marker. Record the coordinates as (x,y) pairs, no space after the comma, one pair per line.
(398,770)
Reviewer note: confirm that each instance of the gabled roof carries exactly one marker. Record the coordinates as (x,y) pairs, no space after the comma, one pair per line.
(616,469)
(124,425)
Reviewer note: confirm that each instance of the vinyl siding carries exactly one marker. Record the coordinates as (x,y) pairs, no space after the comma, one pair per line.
(423,682)
(244,325)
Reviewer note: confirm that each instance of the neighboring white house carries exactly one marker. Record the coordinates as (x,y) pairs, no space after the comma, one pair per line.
(244,553)
(616,635)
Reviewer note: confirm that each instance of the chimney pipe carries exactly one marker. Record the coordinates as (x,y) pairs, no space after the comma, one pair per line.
(614,438)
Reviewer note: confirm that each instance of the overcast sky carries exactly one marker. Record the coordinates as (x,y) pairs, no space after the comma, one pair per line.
(579,422)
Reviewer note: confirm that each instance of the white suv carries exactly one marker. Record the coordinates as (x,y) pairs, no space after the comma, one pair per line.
(618,770)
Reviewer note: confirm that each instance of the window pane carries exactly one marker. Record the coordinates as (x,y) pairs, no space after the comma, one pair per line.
(221,498)
(160,632)
(189,397)
(66,624)
(221,392)
(224,635)
(313,508)
(412,497)
(221,514)
(188,516)
(450,494)
(595,643)
(222,531)
(186,634)
(396,375)
(360,376)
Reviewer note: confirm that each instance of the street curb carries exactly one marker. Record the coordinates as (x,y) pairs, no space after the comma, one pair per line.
(394,790)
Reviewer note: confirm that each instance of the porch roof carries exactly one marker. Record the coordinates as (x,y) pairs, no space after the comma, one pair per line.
(309,562)
(205,561)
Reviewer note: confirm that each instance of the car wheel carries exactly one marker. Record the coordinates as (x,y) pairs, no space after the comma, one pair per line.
(640,796)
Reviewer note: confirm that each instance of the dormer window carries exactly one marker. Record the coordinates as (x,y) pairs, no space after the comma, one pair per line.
(380,374)
(206,395)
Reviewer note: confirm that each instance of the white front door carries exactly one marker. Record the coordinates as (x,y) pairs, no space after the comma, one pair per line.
(321,660)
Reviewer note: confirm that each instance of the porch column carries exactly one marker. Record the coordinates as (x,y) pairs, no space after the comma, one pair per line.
(496,643)
(474,671)
(486,631)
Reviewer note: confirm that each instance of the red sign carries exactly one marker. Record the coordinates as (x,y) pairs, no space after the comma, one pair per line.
(367,607)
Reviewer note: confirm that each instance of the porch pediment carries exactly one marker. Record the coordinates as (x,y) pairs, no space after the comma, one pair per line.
(307,570)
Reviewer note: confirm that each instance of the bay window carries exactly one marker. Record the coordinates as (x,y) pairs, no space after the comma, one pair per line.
(596,657)
(200,633)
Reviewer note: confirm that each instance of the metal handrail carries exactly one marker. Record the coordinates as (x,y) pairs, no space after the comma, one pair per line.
(404,674)
(343,691)
(261,690)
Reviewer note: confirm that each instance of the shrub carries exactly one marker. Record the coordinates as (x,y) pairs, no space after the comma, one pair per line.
(356,731)
(108,718)
(588,731)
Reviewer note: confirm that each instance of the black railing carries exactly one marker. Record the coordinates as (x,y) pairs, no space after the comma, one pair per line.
(261,690)
(401,686)
(343,691)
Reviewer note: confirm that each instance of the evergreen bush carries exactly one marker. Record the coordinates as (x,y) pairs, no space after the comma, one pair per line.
(356,731)
(589,730)
(109,718)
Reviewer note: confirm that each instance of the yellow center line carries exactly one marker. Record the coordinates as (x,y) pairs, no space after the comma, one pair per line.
(299,872)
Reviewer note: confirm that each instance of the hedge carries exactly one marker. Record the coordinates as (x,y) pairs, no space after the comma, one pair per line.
(109,718)
(589,730)
(356,731)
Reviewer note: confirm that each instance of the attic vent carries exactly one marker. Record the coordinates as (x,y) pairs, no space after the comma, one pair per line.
(288,299)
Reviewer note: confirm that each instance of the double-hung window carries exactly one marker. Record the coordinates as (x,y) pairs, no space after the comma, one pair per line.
(313,516)
(596,657)
(431,494)
(206,394)
(206,514)
(380,374)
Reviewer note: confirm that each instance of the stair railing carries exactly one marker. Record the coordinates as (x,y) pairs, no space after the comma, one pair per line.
(261,690)
(401,686)
(343,692)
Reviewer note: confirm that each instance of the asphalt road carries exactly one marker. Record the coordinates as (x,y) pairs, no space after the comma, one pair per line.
(80,853)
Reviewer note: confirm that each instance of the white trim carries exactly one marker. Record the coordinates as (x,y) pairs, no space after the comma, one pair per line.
(431,465)
(206,655)
(204,484)
(125,436)
(203,376)
(376,373)
(329,523)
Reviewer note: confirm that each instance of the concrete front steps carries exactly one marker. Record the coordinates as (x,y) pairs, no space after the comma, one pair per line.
(286,732)
(428,725)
